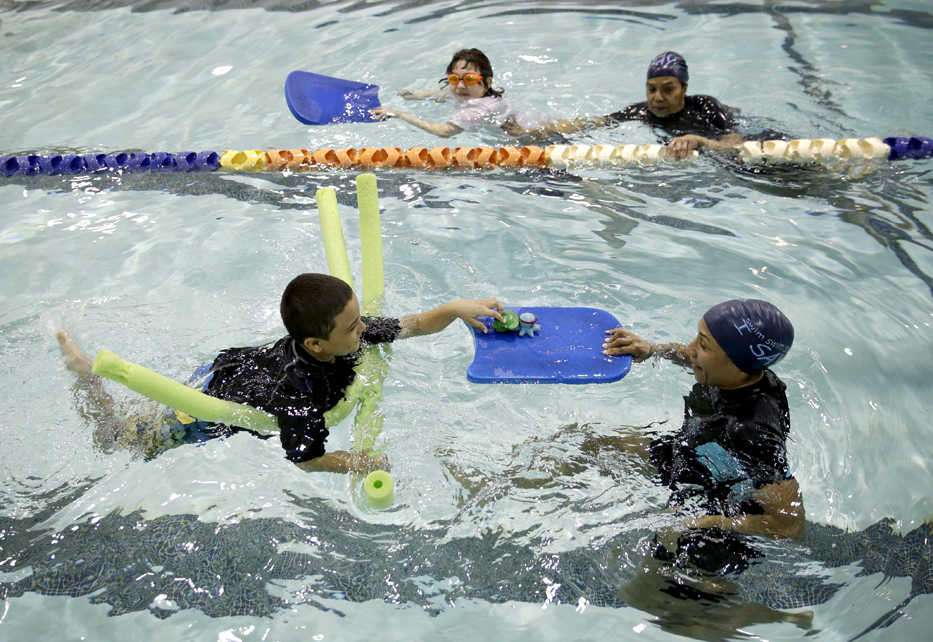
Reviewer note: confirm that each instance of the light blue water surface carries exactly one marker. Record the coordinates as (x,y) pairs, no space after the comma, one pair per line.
(168,269)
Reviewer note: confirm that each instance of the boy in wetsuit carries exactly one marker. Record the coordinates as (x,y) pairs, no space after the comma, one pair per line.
(695,122)
(730,452)
(299,377)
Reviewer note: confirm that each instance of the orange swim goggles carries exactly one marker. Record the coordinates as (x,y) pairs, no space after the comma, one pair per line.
(467,79)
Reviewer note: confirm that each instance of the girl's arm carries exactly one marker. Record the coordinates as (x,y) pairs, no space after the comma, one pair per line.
(438,94)
(444,130)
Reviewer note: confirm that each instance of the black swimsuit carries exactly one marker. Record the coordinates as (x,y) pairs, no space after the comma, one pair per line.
(732,442)
(282,379)
(702,115)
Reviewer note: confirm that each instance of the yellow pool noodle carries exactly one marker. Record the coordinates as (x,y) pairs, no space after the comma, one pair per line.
(373,368)
(332,234)
(367,197)
(181,397)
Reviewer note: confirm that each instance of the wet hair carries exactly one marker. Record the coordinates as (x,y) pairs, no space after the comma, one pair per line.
(479,60)
(311,303)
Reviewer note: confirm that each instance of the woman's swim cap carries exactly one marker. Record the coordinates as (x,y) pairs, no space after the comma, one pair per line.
(752,332)
(669,63)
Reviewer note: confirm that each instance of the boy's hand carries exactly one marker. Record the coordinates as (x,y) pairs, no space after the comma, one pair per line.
(621,341)
(471,309)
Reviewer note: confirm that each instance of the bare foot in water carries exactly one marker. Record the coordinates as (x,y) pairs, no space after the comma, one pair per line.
(75,358)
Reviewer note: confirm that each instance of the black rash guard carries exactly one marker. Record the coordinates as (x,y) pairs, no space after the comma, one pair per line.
(731,443)
(283,380)
(702,115)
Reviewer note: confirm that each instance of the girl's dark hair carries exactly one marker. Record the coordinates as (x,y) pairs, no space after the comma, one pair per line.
(311,303)
(479,60)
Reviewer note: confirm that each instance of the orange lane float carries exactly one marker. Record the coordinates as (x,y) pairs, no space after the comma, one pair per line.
(390,157)
(279,159)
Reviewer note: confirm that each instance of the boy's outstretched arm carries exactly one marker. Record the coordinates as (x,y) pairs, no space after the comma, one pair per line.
(621,341)
(439,318)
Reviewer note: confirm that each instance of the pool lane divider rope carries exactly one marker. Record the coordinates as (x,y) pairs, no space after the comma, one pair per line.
(366,390)
(824,150)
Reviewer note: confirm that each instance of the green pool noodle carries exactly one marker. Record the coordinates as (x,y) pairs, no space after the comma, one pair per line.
(181,397)
(379,489)
(332,234)
(373,368)
(367,198)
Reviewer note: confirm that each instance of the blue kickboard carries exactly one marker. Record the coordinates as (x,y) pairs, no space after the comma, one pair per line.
(320,100)
(567,349)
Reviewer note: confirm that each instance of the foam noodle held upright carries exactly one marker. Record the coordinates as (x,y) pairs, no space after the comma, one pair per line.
(371,240)
(373,368)
(334,245)
(181,397)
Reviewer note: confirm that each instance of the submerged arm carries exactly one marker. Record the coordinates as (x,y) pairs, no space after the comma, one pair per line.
(561,126)
(783,513)
(341,461)
(438,94)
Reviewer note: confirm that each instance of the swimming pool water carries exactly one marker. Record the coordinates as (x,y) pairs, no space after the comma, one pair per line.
(502,526)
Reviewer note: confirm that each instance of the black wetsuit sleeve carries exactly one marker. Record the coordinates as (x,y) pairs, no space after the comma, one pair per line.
(638,111)
(303,434)
(717,115)
(381,330)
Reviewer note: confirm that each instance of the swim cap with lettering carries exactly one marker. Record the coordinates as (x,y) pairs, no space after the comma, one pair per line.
(753,333)
(669,63)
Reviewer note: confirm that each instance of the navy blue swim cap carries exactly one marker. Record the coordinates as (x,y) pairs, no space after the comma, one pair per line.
(752,332)
(669,63)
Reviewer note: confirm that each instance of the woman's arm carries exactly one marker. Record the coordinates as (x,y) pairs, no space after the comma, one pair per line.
(561,126)
(783,513)
(621,341)
(681,146)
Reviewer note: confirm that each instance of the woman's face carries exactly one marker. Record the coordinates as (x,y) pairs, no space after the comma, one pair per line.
(711,365)
(462,90)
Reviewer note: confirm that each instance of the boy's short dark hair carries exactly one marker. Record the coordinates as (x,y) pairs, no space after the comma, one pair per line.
(310,304)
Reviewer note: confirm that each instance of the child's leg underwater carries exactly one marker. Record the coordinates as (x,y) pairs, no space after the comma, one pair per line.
(141,432)
(92,402)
